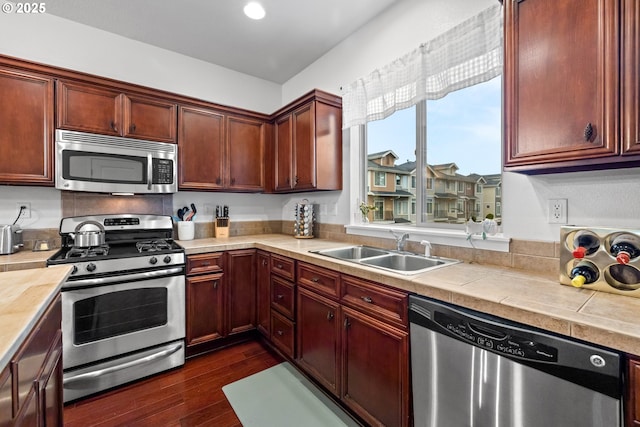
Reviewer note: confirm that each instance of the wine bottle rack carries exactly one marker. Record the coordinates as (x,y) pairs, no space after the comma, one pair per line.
(613,277)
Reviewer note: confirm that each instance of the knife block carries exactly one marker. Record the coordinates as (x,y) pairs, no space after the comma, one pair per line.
(221,227)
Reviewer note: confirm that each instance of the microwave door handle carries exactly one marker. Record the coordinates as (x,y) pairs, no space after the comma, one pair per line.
(149,171)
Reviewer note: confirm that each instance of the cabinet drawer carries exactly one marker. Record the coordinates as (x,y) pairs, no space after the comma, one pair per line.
(282,296)
(378,301)
(283,333)
(321,280)
(283,266)
(204,263)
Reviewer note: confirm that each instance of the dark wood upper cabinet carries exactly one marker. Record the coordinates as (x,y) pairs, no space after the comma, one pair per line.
(630,81)
(571,85)
(97,109)
(26,120)
(246,154)
(200,149)
(219,151)
(308,144)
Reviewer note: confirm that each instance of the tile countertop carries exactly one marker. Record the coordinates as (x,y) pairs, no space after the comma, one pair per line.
(24,296)
(607,319)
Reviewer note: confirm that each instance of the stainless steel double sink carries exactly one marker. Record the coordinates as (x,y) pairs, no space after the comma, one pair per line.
(395,261)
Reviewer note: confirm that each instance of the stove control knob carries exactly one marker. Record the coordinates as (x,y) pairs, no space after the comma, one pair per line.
(153,260)
(91,267)
(167,259)
(74,270)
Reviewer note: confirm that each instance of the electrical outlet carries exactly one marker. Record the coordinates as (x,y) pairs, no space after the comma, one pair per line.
(557,211)
(26,212)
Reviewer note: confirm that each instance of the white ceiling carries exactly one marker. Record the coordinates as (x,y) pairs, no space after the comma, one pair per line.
(293,34)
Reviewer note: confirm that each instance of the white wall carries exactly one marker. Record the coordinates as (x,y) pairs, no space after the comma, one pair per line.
(604,198)
(607,198)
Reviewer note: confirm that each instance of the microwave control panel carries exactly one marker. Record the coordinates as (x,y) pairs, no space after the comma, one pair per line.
(162,171)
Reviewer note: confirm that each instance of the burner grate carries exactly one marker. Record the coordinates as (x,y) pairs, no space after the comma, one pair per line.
(153,245)
(91,251)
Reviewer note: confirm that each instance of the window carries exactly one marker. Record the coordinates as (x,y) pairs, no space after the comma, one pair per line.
(463,140)
(380,179)
(435,115)
(378,214)
(498,209)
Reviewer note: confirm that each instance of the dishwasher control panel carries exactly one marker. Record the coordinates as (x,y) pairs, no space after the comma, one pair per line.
(498,341)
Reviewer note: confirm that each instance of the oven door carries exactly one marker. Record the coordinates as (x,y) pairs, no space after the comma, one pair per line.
(104,321)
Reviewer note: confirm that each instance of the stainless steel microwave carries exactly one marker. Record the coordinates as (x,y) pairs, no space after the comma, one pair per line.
(108,164)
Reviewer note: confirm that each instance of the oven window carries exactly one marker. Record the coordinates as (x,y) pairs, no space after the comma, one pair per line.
(119,313)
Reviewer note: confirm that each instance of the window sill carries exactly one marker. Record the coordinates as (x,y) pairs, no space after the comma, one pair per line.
(497,242)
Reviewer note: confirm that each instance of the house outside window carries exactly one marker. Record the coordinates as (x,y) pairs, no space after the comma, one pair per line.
(380,179)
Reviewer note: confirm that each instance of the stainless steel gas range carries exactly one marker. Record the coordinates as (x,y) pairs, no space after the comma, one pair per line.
(123,306)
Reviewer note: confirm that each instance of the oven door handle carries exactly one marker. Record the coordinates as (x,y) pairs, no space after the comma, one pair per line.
(123,278)
(87,376)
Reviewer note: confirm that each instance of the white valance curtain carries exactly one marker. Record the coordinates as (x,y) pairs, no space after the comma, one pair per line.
(468,54)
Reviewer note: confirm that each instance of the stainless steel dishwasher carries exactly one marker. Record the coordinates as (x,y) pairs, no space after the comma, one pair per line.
(474,370)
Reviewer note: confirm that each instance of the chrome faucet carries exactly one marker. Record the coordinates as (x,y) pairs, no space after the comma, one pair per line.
(401,239)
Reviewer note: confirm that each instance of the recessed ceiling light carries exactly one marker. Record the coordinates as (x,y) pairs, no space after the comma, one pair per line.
(254,10)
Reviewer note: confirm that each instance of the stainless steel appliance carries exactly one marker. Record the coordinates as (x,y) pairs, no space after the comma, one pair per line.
(123,306)
(109,164)
(470,369)
(10,239)
(609,258)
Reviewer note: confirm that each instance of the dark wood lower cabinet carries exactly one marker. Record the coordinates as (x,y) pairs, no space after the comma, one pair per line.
(375,376)
(632,411)
(263,288)
(205,304)
(241,290)
(319,338)
(31,385)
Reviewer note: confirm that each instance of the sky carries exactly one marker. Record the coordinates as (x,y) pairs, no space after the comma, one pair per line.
(464,127)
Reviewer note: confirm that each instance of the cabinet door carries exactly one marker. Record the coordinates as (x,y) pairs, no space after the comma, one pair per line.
(89,108)
(150,119)
(263,292)
(304,147)
(205,305)
(241,286)
(319,338)
(561,81)
(26,139)
(6,398)
(284,154)
(630,85)
(200,149)
(633,393)
(49,387)
(245,154)
(375,372)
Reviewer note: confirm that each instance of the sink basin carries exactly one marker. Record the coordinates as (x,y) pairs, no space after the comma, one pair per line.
(404,263)
(353,252)
(394,261)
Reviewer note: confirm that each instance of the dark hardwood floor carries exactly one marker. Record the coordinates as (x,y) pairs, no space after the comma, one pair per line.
(188,396)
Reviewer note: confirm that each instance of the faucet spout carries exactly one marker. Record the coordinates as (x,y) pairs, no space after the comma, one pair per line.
(401,239)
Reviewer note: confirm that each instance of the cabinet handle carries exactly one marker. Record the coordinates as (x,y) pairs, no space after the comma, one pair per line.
(218,180)
(264,262)
(315,280)
(346,322)
(329,315)
(205,264)
(215,284)
(367,299)
(132,128)
(279,265)
(279,296)
(296,182)
(588,132)
(114,127)
(280,333)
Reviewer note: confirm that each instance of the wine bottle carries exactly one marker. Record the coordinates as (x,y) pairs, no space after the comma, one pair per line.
(584,273)
(625,247)
(585,243)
